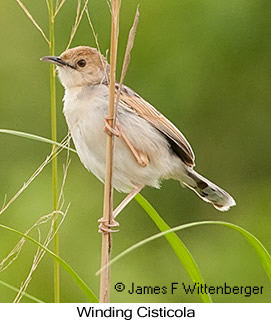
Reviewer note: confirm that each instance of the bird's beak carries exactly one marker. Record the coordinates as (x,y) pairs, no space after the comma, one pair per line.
(55,60)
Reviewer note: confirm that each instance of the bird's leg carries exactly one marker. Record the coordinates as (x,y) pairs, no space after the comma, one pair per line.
(126,201)
(140,157)
(106,227)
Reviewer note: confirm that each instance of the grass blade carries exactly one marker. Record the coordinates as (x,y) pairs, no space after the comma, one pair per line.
(80,283)
(182,252)
(33,298)
(176,244)
(51,11)
(35,137)
(262,253)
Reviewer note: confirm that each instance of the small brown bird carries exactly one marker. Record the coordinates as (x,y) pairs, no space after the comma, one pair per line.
(148,147)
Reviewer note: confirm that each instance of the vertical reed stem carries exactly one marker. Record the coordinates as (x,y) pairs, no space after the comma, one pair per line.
(54,138)
(108,187)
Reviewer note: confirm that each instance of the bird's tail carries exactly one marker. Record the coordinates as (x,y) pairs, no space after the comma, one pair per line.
(208,191)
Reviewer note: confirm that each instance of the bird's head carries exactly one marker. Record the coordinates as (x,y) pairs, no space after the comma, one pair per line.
(80,66)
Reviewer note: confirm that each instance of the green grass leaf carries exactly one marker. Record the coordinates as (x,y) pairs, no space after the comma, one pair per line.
(33,298)
(80,283)
(182,252)
(261,251)
(34,137)
(187,259)
(176,244)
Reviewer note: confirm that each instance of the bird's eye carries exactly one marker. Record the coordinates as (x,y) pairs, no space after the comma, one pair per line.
(81,63)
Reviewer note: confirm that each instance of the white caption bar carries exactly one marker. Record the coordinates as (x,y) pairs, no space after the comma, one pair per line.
(152,312)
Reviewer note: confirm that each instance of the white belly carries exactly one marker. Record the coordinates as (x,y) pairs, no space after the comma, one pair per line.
(85,118)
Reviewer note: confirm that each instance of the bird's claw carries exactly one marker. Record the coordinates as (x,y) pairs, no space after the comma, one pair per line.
(105,227)
(109,130)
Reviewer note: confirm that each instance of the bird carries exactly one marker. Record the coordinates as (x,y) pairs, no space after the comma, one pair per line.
(148,148)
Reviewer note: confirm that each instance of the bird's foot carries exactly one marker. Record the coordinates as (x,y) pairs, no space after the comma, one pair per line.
(110,130)
(105,227)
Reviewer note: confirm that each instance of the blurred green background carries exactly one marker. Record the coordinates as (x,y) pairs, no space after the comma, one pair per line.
(206,65)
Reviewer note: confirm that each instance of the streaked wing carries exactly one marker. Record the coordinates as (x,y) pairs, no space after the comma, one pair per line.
(145,110)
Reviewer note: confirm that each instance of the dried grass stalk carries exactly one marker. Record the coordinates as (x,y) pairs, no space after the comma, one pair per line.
(33,20)
(79,15)
(108,190)
(48,159)
(127,56)
(108,187)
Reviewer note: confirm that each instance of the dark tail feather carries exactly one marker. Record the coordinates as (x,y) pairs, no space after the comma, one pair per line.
(208,191)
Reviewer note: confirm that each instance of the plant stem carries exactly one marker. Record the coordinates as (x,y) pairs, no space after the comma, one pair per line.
(54,138)
(108,187)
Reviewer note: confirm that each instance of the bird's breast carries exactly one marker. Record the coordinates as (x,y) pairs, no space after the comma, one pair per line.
(85,110)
